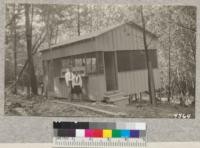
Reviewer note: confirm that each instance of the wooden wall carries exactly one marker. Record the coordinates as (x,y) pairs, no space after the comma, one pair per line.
(128,82)
(60,88)
(124,37)
(96,86)
(136,81)
(72,49)
(53,70)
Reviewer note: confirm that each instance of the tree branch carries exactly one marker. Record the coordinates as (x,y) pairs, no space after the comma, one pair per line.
(183,26)
(40,38)
(11,21)
(34,49)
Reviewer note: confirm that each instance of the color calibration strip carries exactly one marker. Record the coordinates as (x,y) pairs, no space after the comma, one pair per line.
(99,134)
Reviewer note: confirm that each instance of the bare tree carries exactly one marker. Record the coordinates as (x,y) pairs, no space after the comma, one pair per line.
(31,69)
(169,66)
(149,64)
(14,27)
(78,20)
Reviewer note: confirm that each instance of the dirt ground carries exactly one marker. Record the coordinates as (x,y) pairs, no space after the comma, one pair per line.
(40,106)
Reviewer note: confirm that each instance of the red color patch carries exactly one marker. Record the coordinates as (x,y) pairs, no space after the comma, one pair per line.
(98,133)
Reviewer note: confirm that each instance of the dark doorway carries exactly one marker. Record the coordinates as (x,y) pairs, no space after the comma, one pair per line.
(110,71)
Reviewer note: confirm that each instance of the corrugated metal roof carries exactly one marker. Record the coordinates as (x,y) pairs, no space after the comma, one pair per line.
(95,34)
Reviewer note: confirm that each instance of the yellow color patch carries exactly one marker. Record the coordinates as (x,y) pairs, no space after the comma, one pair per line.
(107,133)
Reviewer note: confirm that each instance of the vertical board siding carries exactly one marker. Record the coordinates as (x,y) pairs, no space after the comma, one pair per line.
(104,42)
(127,38)
(137,38)
(96,86)
(132,39)
(68,50)
(123,37)
(50,76)
(116,37)
(151,42)
(57,67)
(60,88)
(136,81)
(122,40)
(157,79)
(54,68)
(127,80)
(110,40)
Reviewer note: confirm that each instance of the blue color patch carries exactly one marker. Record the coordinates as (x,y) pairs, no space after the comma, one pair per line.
(125,133)
(135,133)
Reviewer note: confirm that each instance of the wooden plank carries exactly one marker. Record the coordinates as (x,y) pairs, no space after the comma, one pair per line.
(116,70)
(129,38)
(157,78)
(95,87)
(74,49)
(104,43)
(104,78)
(133,39)
(119,40)
(136,81)
(90,108)
(123,38)
(115,39)
(108,42)
(127,80)
(136,40)
(132,84)
(120,82)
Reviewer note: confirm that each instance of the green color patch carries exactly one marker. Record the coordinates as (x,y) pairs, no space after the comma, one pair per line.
(116,133)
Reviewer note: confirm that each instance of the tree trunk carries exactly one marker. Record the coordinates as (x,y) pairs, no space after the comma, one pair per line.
(15,49)
(50,69)
(31,70)
(149,66)
(169,68)
(78,20)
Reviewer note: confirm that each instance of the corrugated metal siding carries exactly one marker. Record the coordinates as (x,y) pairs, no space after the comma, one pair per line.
(96,86)
(136,81)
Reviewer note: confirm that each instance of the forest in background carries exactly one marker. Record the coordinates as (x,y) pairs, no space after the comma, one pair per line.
(39,26)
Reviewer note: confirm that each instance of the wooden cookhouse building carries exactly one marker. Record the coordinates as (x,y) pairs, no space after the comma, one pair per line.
(112,60)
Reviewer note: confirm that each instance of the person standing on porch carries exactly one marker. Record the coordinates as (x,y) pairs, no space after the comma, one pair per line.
(77,86)
(68,78)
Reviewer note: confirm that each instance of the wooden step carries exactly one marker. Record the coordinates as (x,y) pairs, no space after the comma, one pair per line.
(108,93)
(119,99)
(113,97)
